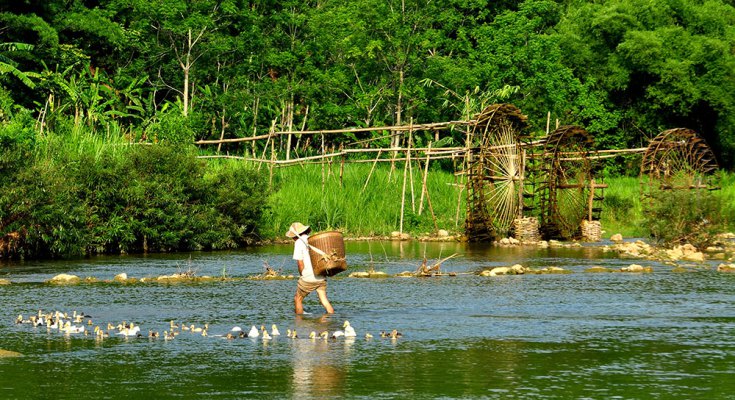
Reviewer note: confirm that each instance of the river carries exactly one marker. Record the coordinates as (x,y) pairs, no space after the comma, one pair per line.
(581,335)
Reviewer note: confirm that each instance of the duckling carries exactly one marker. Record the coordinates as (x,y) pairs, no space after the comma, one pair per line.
(184,327)
(394,334)
(294,335)
(69,328)
(266,336)
(253,332)
(349,330)
(324,335)
(229,336)
(19,320)
(168,335)
(312,335)
(89,322)
(198,329)
(242,335)
(288,332)
(110,326)
(100,332)
(368,335)
(274,330)
(152,335)
(204,332)
(172,325)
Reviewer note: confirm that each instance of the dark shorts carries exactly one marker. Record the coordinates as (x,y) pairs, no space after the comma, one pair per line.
(303,288)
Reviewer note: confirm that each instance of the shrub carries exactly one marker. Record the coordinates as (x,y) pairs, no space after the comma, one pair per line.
(686,216)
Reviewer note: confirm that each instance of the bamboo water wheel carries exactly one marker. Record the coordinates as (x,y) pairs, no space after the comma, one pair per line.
(677,159)
(496,173)
(567,188)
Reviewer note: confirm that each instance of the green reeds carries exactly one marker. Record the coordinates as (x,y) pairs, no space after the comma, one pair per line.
(316,196)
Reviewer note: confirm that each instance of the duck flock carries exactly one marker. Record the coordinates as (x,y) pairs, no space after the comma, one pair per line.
(81,324)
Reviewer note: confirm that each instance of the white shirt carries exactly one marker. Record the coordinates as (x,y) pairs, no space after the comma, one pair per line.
(301,252)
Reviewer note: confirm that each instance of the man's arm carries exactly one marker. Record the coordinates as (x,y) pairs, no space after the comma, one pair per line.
(300,263)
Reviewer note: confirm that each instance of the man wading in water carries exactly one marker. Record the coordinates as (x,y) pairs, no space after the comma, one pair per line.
(307,282)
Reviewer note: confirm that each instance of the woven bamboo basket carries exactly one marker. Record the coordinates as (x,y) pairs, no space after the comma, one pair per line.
(332,261)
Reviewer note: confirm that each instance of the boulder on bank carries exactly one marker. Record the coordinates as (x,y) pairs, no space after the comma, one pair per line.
(516,269)
(729,268)
(395,235)
(4,282)
(8,353)
(685,252)
(617,238)
(636,268)
(366,274)
(64,279)
(637,249)
(509,241)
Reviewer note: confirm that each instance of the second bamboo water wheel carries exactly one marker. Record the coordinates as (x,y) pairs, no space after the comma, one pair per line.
(566,182)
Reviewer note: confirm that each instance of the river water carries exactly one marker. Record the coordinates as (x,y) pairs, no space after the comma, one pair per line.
(582,335)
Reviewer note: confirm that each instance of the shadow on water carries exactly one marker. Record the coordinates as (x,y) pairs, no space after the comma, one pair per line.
(580,335)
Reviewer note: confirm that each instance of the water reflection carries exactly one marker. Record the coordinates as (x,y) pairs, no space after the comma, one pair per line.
(319,369)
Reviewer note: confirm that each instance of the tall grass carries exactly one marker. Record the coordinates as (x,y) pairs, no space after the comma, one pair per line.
(376,210)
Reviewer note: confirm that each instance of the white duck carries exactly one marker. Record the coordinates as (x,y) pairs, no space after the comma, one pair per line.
(253,332)
(132,330)
(349,330)
(274,330)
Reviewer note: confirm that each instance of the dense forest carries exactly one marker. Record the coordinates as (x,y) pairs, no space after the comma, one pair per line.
(175,71)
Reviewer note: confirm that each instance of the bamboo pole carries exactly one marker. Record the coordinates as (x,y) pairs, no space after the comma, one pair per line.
(289,121)
(590,200)
(371,173)
(423,183)
(222,132)
(324,177)
(403,195)
(431,209)
(256,107)
(410,168)
(341,170)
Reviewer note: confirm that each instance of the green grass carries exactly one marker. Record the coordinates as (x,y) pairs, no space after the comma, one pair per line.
(376,210)
(622,211)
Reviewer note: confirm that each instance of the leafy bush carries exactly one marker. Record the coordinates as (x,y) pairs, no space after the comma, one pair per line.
(687,216)
(77,198)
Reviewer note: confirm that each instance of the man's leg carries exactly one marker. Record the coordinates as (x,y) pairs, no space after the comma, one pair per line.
(298,302)
(322,293)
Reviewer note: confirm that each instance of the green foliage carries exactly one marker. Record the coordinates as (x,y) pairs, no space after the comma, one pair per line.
(683,216)
(71,194)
